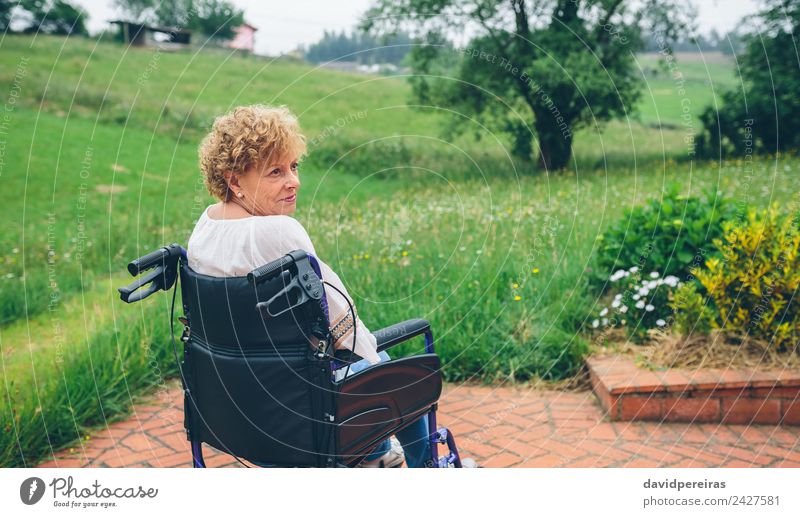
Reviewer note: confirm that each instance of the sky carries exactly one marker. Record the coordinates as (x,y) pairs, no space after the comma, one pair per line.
(283,25)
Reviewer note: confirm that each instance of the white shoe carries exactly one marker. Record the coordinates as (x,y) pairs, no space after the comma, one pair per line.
(392,459)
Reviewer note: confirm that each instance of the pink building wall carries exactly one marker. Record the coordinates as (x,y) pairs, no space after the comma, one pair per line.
(244,37)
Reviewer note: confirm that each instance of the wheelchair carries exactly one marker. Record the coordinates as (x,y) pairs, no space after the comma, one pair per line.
(259,371)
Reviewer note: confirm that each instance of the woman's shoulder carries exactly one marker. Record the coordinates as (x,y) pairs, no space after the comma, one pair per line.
(285,222)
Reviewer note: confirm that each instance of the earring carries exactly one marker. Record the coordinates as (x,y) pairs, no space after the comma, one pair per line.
(240,194)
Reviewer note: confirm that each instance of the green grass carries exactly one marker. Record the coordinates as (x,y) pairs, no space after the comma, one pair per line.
(98,169)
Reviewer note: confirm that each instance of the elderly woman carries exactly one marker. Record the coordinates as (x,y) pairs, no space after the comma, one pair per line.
(250,161)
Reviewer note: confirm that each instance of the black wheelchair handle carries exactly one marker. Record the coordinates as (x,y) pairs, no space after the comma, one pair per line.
(153,259)
(276,267)
(134,292)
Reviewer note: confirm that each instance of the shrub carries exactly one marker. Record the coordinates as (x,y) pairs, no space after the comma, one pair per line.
(691,312)
(754,282)
(640,303)
(667,235)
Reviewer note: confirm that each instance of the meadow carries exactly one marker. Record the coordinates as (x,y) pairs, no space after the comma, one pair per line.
(99,166)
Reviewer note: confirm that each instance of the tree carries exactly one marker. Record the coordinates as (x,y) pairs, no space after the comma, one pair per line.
(54,17)
(176,13)
(5,13)
(360,47)
(763,113)
(137,11)
(542,68)
(215,18)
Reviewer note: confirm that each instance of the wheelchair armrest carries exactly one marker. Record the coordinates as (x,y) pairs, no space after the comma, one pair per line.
(399,332)
(388,337)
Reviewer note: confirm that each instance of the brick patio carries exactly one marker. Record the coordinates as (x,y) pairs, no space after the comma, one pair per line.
(498,426)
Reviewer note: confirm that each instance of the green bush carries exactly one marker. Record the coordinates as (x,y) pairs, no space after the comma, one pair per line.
(692,313)
(754,283)
(669,235)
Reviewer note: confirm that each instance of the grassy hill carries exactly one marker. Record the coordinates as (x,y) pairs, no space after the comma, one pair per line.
(99,166)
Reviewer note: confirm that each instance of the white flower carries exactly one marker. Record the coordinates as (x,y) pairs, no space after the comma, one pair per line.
(634,269)
(640,304)
(644,291)
(624,322)
(652,284)
(618,297)
(595,324)
(615,303)
(637,296)
(605,321)
(654,274)
(649,307)
(660,322)
(604,311)
(623,309)
(618,274)
(671,280)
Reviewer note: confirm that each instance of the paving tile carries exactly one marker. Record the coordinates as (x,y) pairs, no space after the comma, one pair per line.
(500,426)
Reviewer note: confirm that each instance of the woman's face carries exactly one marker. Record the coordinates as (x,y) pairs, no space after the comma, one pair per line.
(269,189)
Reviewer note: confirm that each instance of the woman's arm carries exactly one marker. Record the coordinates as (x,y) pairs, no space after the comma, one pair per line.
(293,236)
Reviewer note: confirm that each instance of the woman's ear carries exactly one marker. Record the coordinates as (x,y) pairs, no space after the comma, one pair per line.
(232,179)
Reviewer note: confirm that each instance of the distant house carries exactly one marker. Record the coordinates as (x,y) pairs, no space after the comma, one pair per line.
(244,38)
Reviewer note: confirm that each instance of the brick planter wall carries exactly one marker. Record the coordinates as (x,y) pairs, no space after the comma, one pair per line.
(628,392)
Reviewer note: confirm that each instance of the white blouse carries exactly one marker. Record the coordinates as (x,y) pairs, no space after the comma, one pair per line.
(234,247)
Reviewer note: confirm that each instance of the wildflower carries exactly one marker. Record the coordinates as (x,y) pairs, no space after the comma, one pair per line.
(649,307)
(637,296)
(677,222)
(618,274)
(615,304)
(634,269)
(654,274)
(366,256)
(535,270)
(640,304)
(595,324)
(515,285)
(605,321)
(405,253)
(660,322)
(623,309)
(644,291)
(604,311)
(618,296)
(517,298)
(671,280)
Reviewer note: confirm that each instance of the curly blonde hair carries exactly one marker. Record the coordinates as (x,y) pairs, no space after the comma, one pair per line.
(245,137)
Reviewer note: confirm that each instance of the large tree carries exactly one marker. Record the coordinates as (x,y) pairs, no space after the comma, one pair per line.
(537,69)
(763,112)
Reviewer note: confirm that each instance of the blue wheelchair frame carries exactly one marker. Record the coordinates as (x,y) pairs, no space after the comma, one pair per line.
(162,272)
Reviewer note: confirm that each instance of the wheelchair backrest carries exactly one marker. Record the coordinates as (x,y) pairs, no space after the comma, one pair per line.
(255,388)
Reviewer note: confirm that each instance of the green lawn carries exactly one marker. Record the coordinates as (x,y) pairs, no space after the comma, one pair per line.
(98,169)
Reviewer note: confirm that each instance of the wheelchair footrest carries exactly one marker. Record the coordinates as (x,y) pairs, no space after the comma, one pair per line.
(452,458)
